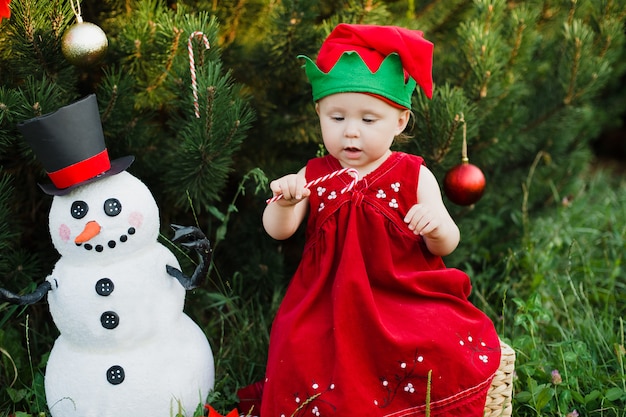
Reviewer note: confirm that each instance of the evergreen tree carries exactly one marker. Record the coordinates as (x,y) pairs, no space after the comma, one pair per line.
(534,82)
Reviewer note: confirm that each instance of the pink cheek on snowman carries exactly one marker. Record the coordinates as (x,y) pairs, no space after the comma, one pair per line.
(135,219)
(64,232)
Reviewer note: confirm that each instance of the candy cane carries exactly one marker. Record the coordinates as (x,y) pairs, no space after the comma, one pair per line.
(192,67)
(353,172)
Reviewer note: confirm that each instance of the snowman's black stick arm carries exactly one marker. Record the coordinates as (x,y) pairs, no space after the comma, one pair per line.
(26,299)
(194,238)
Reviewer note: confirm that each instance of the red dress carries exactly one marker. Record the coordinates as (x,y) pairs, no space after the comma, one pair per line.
(370,316)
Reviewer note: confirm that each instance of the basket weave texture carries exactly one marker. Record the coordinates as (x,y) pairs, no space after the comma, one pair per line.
(499,401)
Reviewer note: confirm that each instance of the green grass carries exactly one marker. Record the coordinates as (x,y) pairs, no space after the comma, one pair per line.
(568,292)
(558,298)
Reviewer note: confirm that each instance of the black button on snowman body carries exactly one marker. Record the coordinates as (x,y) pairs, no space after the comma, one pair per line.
(104,287)
(115,375)
(109,320)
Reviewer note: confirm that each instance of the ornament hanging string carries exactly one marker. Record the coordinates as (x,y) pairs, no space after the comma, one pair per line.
(77,11)
(353,172)
(192,67)
(464,157)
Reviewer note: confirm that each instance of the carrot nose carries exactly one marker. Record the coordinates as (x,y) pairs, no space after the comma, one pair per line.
(91,229)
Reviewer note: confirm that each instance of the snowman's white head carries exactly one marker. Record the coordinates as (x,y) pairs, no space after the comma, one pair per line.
(104,220)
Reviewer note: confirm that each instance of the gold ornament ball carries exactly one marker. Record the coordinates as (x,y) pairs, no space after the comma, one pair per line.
(84,44)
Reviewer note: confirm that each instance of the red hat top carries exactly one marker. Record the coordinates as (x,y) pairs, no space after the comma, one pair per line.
(374,44)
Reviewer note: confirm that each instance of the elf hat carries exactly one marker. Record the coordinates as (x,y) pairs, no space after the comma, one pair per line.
(387,61)
(70,145)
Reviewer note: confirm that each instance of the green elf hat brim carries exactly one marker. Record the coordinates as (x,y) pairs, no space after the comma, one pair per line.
(350,74)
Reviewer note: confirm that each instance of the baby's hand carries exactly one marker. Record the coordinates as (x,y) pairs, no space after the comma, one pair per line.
(422,220)
(291,187)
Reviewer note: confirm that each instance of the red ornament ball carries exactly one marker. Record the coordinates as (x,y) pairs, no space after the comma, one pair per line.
(464,184)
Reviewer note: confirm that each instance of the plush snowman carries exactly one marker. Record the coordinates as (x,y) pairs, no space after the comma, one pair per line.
(125,348)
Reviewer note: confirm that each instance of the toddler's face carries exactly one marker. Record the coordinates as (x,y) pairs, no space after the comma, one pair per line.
(358,129)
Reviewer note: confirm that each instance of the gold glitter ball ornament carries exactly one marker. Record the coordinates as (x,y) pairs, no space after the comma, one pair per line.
(84,44)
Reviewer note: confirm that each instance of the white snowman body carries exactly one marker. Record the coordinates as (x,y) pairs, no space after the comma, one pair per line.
(125,348)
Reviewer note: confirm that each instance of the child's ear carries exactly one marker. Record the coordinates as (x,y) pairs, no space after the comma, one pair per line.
(403,120)
(317,108)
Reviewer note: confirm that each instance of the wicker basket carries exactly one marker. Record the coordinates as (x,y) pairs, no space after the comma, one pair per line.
(500,395)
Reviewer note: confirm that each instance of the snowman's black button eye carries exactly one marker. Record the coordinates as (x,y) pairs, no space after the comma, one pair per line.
(112,207)
(79,209)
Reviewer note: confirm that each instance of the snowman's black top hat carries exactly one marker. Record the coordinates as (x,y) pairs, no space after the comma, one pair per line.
(70,145)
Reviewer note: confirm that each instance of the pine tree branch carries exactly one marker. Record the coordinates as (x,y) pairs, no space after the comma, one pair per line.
(29,27)
(231,134)
(443,150)
(107,112)
(170,60)
(236,16)
(483,87)
(571,12)
(540,120)
(209,111)
(517,44)
(57,19)
(574,72)
(606,47)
